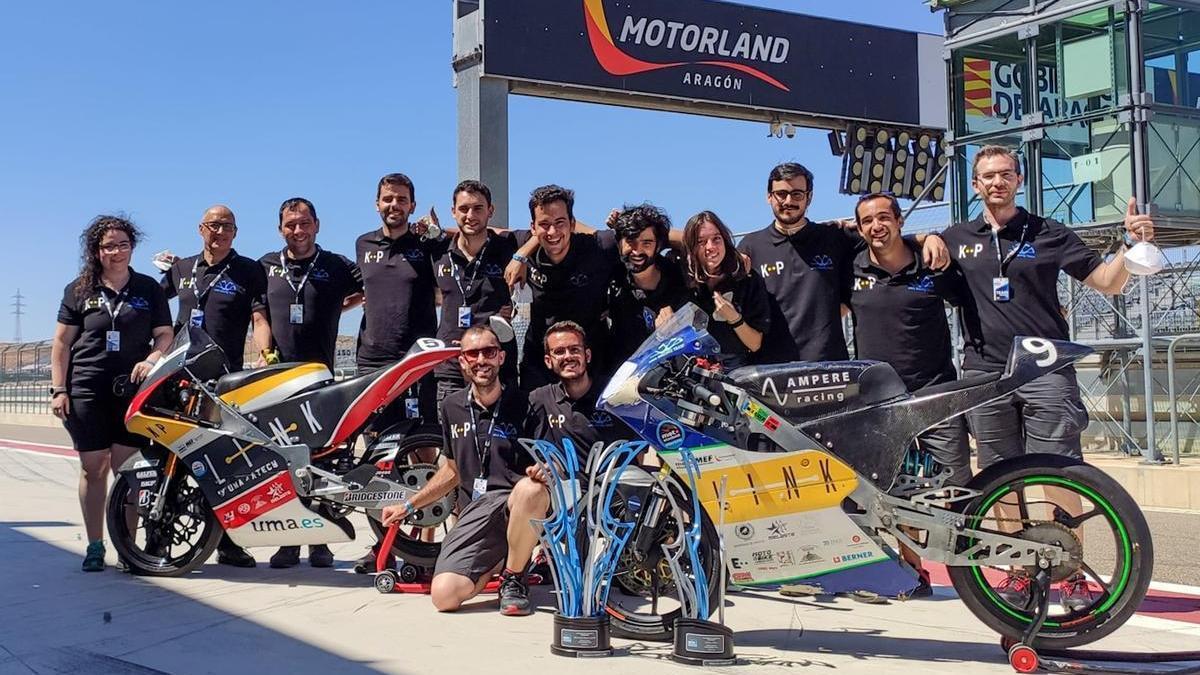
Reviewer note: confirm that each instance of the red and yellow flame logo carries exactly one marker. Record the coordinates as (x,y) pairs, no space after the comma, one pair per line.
(616,62)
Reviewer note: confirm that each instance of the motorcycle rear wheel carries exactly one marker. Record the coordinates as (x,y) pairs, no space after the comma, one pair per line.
(1121,585)
(179,542)
(408,546)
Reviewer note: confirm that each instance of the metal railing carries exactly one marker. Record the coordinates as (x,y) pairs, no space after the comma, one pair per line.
(25,377)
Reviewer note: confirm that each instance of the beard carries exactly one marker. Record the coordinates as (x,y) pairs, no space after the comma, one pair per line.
(634,267)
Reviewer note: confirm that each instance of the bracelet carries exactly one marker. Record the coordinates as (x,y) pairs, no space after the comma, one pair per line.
(1129,240)
(520,258)
(741,321)
(409,509)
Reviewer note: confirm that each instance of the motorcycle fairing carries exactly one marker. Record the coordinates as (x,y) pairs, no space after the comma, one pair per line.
(252,390)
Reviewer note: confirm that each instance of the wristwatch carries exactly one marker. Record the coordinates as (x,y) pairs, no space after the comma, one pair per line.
(520,258)
(55,391)
(1129,240)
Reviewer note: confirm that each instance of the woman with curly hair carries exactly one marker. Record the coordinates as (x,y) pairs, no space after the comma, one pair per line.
(722,285)
(113,326)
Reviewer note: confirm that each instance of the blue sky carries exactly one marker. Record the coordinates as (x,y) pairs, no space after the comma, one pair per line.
(159,110)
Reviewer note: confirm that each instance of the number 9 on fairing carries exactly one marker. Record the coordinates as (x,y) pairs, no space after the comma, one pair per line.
(1041,347)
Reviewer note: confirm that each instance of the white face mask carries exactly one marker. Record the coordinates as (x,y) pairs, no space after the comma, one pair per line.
(1144,259)
(503,329)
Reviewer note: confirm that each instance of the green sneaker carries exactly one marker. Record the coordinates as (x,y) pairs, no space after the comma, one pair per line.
(93,560)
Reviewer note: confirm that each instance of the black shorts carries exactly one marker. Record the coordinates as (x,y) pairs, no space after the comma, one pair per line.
(98,422)
(478,542)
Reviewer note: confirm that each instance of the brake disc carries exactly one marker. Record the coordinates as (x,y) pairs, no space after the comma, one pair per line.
(413,477)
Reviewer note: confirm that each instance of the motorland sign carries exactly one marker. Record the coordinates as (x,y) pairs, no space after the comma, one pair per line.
(669,53)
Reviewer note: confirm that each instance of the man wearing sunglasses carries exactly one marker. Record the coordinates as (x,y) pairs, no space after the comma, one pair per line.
(491,471)
(807,268)
(220,292)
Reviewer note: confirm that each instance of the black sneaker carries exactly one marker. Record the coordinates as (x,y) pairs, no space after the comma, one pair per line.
(235,557)
(286,556)
(1075,595)
(320,556)
(366,564)
(514,595)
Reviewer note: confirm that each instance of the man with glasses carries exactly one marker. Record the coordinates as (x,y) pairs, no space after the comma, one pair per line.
(1012,259)
(497,497)
(308,288)
(807,268)
(220,292)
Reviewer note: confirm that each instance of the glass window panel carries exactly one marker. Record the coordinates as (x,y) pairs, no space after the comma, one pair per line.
(1173,145)
(1077,65)
(989,85)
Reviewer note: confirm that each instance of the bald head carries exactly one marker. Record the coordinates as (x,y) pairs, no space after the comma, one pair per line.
(217,229)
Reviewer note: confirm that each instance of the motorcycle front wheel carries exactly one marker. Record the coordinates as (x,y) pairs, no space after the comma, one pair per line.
(643,603)
(178,542)
(1062,502)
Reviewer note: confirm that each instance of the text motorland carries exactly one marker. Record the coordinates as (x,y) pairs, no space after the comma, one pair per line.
(690,37)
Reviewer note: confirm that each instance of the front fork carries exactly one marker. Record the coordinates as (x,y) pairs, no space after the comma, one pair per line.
(158,503)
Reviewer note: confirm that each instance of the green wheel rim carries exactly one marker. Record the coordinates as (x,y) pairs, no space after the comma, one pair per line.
(1125,545)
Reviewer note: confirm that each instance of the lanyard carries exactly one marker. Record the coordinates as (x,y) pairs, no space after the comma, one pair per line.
(1015,250)
(113,312)
(196,288)
(472,268)
(287,275)
(484,452)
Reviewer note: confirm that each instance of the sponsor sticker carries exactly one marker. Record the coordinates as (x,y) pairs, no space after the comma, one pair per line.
(198,469)
(853,557)
(272,493)
(744,531)
(742,576)
(670,435)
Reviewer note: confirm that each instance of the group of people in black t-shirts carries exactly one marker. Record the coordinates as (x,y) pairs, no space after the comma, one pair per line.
(778,295)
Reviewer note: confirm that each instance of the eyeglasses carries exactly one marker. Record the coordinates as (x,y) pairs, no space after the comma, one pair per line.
(116,248)
(572,350)
(796,195)
(1005,176)
(217,226)
(488,353)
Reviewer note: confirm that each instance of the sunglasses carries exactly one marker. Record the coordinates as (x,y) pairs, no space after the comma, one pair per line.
(488,353)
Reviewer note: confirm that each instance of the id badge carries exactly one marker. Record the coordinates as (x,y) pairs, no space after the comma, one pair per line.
(112,341)
(1001,290)
(296,313)
(464,317)
(648,317)
(478,488)
(412,408)
(197,318)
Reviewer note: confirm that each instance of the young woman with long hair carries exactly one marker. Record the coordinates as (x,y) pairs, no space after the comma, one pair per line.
(113,325)
(722,285)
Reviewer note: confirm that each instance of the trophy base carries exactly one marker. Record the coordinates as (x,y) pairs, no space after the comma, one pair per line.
(581,637)
(703,643)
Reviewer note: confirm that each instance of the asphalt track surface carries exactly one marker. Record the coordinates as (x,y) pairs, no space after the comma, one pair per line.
(57,619)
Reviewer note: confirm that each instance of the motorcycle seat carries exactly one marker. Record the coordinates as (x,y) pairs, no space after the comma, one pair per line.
(807,390)
(232,381)
(956,385)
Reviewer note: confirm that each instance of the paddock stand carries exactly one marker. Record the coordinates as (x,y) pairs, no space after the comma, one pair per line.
(417,580)
(1025,659)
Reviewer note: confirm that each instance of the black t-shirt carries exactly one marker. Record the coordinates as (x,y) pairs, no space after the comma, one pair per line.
(553,416)
(480,281)
(465,429)
(230,291)
(901,319)
(1034,310)
(633,311)
(808,277)
(749,296)
(575,289)
(398,280)
(140,307)
(325,280)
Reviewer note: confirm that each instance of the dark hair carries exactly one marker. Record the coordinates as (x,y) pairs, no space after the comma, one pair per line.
(89,241)
(396,180)
(472,186)
(878,195)
(564,327)
(293,204)
(478,329)
(788,171)
(731,266)
(632,220)
(548,194)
